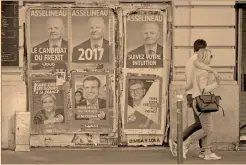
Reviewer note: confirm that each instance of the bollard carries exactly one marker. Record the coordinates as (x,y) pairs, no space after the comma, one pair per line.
(179,130)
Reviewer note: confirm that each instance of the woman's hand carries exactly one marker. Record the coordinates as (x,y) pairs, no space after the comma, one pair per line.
(58,119)
(218,81)
(216,75)
(48,122)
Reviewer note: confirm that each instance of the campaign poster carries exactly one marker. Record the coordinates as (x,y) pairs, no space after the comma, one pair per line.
(47,105)
(144,40)
(48,39)
(93,36)
(90,101)
(143,103)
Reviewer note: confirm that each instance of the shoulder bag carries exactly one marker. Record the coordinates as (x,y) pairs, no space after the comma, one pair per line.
(208,103)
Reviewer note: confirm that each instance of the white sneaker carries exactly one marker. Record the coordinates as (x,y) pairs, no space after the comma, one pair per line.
(213,156)
(185,151)
(201,154)
(173,147)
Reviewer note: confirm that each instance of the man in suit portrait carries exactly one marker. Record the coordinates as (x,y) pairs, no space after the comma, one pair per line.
(91,86)
(150,32)
(136,117)
(96,28)
(137,92)
(55,30)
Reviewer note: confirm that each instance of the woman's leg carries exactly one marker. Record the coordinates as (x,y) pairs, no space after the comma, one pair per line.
(207,124)
(206,121)
(199,134)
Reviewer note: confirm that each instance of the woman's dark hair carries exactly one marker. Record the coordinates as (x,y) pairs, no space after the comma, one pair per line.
(80,94)
(199,44)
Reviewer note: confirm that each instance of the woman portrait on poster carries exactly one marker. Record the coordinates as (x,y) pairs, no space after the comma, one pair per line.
(78,98)
(49,114)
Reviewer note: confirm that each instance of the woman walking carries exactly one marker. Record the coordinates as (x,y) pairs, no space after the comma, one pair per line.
(200,79)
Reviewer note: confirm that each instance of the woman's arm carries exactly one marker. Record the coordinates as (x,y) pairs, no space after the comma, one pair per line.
(203,66)
(203,80)
(188,84)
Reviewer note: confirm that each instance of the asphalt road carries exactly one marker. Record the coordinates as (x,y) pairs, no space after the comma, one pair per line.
(112,156)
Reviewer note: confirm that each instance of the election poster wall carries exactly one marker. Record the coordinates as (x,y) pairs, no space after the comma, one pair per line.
(92,102)
(48,105)
(90,85)
(144,40)
(92,38)
(143,106)
(145,75)
(48,38)
(78,41)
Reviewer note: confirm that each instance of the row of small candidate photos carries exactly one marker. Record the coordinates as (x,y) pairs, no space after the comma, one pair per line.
(91,41)
(51,97)
(45,89)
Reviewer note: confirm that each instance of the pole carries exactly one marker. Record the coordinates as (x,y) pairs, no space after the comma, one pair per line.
(179,130)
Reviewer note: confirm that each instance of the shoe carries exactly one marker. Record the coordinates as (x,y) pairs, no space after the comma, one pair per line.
(185,151)
(173,147)
(212,156)
(201,154)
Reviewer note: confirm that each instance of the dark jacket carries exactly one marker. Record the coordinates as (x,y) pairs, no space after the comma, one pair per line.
(141,50)
(101,103)
(45,44)
(87,44)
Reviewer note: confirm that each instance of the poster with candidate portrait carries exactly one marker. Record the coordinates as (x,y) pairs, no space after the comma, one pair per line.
(144,40)
(92,37)
(91,97)
(143,103)
(48,38)
(48,105)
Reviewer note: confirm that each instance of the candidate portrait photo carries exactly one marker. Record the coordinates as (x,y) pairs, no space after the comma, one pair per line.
(48,105)
(90,96)
(142,103)
(90,39)
(48,41)
(144,42)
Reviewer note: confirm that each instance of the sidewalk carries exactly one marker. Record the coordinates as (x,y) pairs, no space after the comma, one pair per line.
(112,156)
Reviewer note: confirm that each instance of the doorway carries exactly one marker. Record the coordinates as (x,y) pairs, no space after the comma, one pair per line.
(241,58)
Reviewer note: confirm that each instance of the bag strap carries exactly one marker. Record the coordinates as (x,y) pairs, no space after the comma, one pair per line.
(221,108)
